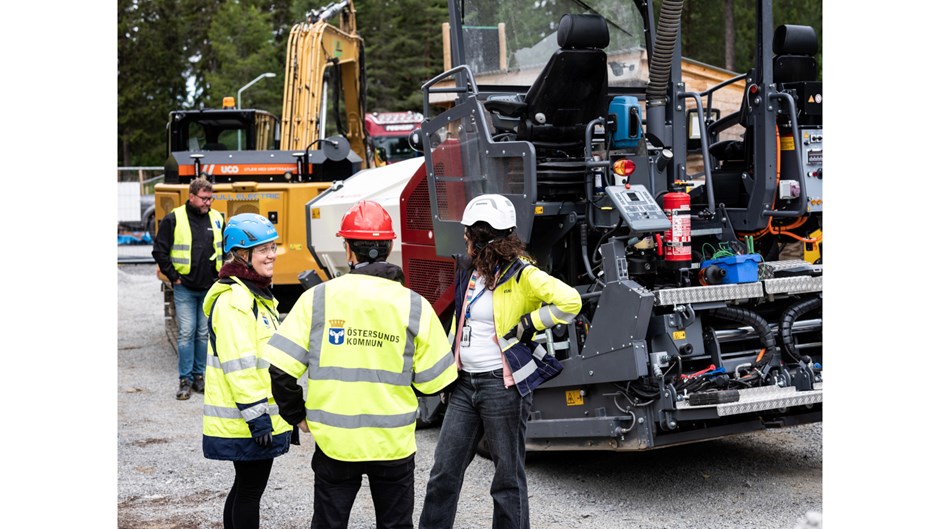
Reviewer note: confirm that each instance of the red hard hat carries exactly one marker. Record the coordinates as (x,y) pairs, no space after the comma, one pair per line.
(367,221)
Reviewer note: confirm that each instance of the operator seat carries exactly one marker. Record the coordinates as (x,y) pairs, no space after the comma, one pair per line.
(795,70)
(795,49)
(794,61)
(569,92)
(572,88)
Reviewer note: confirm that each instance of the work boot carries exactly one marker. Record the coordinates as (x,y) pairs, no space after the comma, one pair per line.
(199,384)
(186,389)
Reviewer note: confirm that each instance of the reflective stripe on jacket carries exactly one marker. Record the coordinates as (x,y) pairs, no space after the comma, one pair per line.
(181,251)
(524,289)
(238,385)
(363,341)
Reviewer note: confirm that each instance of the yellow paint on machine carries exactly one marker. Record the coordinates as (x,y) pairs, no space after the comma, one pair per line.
(812,251)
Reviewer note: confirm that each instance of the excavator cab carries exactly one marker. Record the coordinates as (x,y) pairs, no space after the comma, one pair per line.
(221,130)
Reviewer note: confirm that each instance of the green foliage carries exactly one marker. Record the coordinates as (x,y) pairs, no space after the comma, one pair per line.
(403,49)
(243,47)
(151,80)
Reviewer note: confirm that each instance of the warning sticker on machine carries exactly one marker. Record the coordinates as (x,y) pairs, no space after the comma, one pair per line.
(574,398)
(786,143)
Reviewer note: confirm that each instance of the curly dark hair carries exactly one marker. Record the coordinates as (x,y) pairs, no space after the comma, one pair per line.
(493,248)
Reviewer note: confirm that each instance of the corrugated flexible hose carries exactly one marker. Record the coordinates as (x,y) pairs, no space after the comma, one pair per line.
(660,62)
(790,315)
(759,324)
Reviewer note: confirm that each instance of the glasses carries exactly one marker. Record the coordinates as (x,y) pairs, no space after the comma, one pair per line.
(270,249)
(204,199)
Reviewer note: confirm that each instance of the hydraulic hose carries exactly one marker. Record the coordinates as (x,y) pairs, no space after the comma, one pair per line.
(790,315)
(660,62)
(584,255)
(759,324)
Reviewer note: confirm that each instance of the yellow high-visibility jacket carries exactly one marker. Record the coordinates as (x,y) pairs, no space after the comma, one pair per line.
(363,341)
(522,289)
(238,404)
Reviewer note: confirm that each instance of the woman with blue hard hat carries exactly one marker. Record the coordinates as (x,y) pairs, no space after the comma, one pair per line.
(240,420)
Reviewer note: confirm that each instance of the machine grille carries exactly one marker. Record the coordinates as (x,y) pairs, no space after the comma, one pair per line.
(430,278)
(418,208)
(443,200)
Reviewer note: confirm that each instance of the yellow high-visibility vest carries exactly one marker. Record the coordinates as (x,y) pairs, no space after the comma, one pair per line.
(181,251)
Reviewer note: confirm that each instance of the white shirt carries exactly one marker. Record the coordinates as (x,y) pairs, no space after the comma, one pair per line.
(483,353)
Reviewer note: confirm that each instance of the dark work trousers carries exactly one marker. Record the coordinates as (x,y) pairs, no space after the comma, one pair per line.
(243,503)
(336,484)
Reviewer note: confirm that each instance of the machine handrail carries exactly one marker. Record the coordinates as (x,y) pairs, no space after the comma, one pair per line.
(710,91)
(791,110)
(426,87)
(710,193)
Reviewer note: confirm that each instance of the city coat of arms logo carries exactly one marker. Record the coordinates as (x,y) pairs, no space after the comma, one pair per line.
(336,333)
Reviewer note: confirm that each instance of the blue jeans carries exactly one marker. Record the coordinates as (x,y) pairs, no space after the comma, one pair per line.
(193,338)
(481,407)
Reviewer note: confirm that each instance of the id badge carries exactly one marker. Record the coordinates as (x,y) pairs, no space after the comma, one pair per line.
(465,336)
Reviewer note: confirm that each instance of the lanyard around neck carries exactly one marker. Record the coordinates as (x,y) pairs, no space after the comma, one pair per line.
(470,299)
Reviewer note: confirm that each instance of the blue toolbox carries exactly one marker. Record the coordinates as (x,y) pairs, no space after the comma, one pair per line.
(738,268)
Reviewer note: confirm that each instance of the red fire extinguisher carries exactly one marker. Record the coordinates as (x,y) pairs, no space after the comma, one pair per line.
(678,238)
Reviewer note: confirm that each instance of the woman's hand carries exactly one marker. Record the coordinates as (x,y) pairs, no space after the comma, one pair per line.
(524,330)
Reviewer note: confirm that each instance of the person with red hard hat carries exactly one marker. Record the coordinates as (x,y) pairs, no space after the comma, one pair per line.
(368,233)
(366,343)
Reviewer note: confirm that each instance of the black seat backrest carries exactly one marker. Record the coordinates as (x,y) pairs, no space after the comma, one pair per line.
(795,48)
(572,88)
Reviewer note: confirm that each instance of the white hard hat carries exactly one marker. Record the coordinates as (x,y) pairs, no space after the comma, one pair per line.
(495,210)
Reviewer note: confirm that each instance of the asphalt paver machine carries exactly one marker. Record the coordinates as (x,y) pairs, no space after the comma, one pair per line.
(693,237)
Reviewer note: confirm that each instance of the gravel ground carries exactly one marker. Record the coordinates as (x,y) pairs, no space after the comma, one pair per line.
(770,479)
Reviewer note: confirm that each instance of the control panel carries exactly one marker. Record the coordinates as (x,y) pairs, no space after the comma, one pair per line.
(638,208)
(812,146)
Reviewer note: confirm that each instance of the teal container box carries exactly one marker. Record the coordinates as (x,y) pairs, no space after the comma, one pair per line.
(738,268)
(629,122)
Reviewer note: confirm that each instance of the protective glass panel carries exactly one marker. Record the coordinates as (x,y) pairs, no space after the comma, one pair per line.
(464,164)
(509,42)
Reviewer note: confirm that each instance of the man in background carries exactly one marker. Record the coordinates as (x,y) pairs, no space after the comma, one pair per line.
(188,250)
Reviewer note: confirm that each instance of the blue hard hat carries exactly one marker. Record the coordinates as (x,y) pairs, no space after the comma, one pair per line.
(247,230)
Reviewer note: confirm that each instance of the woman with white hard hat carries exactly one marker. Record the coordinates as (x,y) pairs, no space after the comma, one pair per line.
(501,301)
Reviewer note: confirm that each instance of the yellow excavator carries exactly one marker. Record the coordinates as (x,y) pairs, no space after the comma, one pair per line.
(321,140)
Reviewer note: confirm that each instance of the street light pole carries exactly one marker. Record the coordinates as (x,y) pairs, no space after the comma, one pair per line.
(239,99)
